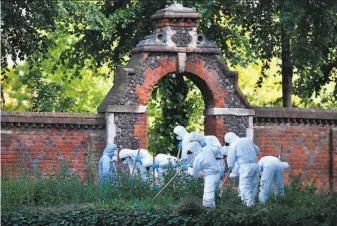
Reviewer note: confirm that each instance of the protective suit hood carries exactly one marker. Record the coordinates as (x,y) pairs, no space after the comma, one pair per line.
(195,136)
(180,131)
(124,153)
(230,137)
(110,150)
(212,141)
(194,147)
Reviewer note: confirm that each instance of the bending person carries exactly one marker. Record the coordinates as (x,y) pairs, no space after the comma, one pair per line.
(205,163)
(106,167)
(272,170)
(243,151)
(215,145)
(132,158)
(162,164)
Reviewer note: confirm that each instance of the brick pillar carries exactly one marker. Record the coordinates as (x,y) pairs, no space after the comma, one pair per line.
(214,125)
(140,130)
(219,121)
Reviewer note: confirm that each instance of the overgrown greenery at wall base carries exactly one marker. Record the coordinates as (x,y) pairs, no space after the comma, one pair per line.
(291,210)
(62,199)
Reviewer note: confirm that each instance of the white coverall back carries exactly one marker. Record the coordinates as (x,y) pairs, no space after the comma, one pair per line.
(272,170)
(206,163)
(243,151)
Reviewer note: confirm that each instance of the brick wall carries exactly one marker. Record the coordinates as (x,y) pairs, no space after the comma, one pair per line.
(309,145)
(43,139)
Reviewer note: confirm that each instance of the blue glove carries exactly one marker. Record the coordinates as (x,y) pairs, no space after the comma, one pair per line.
(203,143)
(184,166)
(154,166)
(137,159)
(180,144)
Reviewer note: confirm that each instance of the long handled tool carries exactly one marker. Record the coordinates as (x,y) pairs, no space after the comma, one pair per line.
(135,163)
(175,175)
(223,182)
(179,150)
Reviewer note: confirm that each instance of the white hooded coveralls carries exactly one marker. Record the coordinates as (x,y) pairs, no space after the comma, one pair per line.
(272,170)
(182,135)
(215,145)
(106,167)
(206,163)
(163,162)
(243,151)
(130,155)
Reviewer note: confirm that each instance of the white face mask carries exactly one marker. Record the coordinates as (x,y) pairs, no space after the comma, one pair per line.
(179,137)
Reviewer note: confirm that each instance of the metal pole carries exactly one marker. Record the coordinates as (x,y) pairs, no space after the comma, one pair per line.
(161,190)
(135,163)
(179,150)
(223,182)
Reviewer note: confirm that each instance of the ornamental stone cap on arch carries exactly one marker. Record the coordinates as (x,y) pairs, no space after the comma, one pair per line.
(175,47)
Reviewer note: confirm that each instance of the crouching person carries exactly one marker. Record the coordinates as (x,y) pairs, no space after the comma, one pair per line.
(272,173)
(136,160)
(205,163)
(106,167)
(162,164)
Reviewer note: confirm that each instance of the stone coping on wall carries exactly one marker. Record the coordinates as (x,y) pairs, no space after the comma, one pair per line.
(229,111)
(125,109)
(295,115)
(52,119)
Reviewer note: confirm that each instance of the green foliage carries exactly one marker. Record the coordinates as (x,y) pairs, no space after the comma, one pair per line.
(68,43)
(174,101)
(64,199)
(297,207)
(300,33)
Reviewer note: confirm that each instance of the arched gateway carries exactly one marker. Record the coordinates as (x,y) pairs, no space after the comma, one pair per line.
(175,47)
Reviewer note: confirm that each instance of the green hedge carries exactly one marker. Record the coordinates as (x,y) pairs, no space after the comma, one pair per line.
(57,200)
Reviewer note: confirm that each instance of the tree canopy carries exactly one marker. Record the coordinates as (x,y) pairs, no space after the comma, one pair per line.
(301,34)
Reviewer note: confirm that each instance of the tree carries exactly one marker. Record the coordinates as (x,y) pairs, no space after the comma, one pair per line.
(22,23)
(303,34)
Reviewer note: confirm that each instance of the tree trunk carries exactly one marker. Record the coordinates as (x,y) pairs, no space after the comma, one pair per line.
(287,70)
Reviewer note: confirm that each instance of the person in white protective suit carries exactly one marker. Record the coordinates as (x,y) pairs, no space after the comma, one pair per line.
(272,170)
(141,161)
(183,136)
(205,163)
(106,167)
(162,162)
(243,151)
(215,145)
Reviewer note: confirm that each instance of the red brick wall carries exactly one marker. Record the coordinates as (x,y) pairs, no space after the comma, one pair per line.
(41,139)
(305,148)
(333,155)
(140,130)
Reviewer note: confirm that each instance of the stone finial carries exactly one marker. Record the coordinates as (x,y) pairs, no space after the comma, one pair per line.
(176,15)
(176,31)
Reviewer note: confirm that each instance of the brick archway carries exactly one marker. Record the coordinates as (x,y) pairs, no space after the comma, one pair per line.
(206,81)
(175,47)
